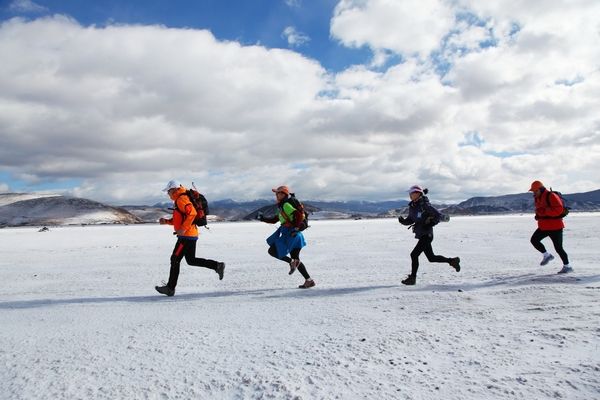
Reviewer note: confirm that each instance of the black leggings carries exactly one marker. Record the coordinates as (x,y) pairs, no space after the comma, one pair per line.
(186,248)
(557,241)
(295,254)
(424,246)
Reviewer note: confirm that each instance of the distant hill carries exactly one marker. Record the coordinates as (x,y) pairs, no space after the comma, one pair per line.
(22,209)
(356,208)
(522,202)
(27,209)
(231,210)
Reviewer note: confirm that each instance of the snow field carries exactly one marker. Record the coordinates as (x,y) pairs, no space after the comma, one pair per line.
(80,317)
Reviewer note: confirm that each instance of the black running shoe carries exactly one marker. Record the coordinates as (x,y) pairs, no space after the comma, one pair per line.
(220,270)
(165,290)
(455,263)
(410,280)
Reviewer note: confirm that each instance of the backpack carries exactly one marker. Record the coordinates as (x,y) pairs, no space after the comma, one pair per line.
(435,218)
(432,216)
(563,203)
(301,214)
(200,204)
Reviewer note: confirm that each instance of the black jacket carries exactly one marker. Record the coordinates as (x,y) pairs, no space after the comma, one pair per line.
(423,215)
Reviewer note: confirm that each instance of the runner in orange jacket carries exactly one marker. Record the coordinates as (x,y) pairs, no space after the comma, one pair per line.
(187,236)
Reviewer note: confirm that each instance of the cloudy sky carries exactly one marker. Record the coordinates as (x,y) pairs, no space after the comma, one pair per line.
(346,99)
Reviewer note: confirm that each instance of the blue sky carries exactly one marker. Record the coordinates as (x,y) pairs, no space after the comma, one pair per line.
(248,22)
(340,99)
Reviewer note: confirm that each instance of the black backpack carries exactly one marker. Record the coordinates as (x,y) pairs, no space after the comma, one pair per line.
(199,203)
(431,216)
(302,214)
(563,203)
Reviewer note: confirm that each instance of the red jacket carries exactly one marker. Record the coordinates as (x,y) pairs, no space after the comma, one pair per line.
(548,206)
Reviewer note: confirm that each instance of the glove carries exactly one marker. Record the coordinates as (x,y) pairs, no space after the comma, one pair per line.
(401,219)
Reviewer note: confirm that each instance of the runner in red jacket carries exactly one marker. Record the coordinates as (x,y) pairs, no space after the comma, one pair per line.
(548,208)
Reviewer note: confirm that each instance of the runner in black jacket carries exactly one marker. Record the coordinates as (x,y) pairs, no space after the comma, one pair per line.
(423,216)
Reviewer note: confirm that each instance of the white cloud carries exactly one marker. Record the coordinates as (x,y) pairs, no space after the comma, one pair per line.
(293,3)
(127,108)
(407,27)
(294,38)
(26,6)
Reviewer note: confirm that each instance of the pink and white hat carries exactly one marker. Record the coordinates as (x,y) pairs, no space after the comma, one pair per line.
(415,188)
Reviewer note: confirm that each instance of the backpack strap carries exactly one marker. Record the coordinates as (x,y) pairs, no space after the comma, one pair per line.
(284,214)
(189,202)
(549,194)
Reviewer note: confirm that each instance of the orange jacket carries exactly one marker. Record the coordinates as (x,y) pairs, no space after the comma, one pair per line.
(547,207)
(183,215)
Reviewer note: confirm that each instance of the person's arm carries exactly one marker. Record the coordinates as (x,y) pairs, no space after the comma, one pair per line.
(189,212)
(272,220)
(406,221)
(166,221)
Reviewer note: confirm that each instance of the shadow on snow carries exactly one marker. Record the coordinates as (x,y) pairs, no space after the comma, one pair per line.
(516,281)
(279,293)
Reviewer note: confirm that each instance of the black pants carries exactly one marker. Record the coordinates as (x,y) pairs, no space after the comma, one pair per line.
(295,254)
(424,246)
(186,248)
(557,240)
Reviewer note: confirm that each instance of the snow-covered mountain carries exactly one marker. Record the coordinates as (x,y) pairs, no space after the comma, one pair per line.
(9,198)
(18,209)
(522,202)
(25,209)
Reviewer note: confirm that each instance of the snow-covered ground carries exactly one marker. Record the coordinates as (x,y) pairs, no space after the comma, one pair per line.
(80,318)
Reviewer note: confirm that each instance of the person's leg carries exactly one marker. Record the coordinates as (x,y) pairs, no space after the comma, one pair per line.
(273,253)
(557,241)
(295,255)
(431,257)
(414,255)
(176,257)
(536,240)
(308,281)
(190,257)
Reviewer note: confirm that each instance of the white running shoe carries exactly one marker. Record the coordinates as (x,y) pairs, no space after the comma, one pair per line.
(565,270)
(547,259)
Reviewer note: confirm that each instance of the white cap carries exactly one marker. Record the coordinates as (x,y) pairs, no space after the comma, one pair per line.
(172,185)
